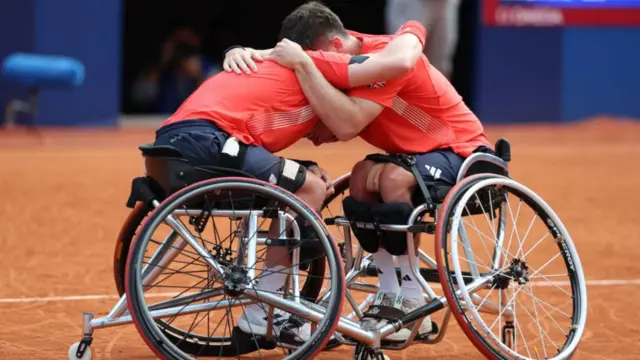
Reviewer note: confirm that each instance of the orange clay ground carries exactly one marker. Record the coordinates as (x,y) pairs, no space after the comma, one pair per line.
(62,204)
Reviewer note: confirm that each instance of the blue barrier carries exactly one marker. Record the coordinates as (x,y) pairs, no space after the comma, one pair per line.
(37,72)
(43,70)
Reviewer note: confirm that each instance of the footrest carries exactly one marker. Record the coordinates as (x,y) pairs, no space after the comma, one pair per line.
(383,312)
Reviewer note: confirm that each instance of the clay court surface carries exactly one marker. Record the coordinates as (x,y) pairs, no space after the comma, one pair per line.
(62,204)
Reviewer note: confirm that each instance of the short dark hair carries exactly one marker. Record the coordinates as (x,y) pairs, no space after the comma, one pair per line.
(309,23)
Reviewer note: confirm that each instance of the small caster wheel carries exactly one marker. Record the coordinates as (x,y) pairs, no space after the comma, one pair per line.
(509,335)
(362,352)
(74,349)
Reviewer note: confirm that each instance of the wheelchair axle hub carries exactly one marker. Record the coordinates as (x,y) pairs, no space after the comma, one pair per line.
(236,281)
(518,271)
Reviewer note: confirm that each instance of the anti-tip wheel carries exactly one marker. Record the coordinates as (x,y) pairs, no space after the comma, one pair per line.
(361,352)
(74,349)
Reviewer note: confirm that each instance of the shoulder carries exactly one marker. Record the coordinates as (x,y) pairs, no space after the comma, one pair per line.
(373,43)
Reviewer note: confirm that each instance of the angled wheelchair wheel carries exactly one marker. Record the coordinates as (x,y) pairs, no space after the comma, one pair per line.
(311,289)
(178,278)
(123,242)
(510,271)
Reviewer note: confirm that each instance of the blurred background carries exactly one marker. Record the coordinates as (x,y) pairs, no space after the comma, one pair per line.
(513,61)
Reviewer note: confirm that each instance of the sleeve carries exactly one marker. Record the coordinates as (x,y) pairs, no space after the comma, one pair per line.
(415,28)
(381,92)
(334,67)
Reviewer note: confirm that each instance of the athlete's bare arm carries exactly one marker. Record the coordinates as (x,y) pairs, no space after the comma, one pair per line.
(397,58)
(345,116)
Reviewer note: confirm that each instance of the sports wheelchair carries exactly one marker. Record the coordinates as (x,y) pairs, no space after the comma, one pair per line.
(191,253)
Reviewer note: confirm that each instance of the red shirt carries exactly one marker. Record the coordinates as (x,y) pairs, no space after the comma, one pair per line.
(423,111)
(267,108)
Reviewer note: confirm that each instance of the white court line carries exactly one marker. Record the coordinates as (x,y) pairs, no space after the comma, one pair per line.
(589,283)
(77,298)
(168,294)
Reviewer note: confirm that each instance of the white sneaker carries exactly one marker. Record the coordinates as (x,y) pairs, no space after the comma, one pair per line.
(254,321)
(298,331)
(409,305)
(286,329)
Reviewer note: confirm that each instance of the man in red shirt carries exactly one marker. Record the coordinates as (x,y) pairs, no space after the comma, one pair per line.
(419,113)
(264,113)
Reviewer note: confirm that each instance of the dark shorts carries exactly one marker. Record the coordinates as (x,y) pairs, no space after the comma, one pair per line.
(440,166)
(439,172)
(201,142)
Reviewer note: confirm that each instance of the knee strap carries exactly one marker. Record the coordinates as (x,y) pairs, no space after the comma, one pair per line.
(292,175)
(355,210)
(372,183)
(393,214)
(232,155)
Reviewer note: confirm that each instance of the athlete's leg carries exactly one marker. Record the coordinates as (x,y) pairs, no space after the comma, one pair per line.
(399,185)
(360,174)
(293,177)
(365,187)
(396,184)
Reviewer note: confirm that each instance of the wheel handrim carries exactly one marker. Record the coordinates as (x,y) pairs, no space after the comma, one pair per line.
(578,327)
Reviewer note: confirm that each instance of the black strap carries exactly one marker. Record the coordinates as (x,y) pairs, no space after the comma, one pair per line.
(236,161)
(383,312)
(410,161)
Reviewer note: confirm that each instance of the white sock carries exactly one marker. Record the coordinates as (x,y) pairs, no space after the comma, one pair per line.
(270,280)
(410,287)
(387,278)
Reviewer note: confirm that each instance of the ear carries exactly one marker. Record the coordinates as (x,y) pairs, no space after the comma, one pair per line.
(337,43)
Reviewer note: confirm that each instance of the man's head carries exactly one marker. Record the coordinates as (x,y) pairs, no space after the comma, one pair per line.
(315,27)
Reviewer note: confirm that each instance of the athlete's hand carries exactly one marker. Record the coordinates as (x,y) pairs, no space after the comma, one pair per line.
(322,174)
(241,60)
(288,54)
(320,134)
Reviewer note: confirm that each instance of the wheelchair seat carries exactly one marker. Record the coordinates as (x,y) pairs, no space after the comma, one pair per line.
(488,162)
(151,150)
(166,165)
(170,172)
